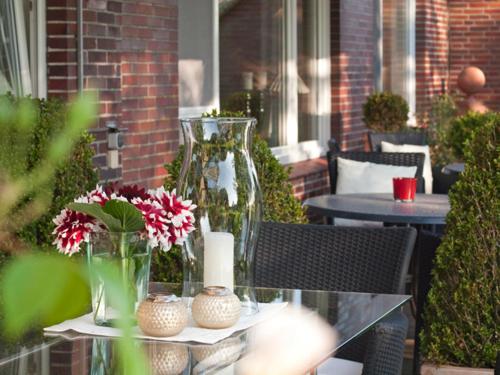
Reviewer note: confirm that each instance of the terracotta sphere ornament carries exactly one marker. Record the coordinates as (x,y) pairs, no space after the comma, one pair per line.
(471,80)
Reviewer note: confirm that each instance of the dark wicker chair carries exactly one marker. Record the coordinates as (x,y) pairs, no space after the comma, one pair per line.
(395,138)
(321,257)
(391,158)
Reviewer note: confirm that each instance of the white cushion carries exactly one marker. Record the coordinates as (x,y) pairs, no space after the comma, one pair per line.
(338,366)
(365,177)
(427,173)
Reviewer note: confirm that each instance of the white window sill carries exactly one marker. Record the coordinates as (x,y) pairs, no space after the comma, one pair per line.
(299,152)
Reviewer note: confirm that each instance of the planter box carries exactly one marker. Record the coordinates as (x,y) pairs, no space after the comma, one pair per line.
(430,369)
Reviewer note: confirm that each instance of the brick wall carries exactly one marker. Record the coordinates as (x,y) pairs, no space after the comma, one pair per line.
(130,57)
(431,51)
(352,51)
(474,35)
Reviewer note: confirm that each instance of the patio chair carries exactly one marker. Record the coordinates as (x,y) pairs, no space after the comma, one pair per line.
(322,257)
(396,139)
(390,158)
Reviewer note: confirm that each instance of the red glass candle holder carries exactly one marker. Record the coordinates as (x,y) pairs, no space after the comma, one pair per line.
(404,189)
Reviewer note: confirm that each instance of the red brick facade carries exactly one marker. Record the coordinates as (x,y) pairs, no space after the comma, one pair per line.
(474,35)
(432,76)
(352,49)
(130,56)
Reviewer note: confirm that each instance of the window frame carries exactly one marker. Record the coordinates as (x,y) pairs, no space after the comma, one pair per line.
(38,48)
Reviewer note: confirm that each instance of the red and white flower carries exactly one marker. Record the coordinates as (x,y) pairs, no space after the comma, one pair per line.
(73,228)
(168,219)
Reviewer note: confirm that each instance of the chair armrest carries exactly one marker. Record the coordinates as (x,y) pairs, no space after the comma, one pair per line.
(385,346)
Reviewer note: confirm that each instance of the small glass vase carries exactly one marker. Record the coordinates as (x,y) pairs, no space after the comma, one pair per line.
(132,254)
(219,176)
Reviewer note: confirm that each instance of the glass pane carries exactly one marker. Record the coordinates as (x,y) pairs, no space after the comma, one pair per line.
(251,48)
(9,64)
(396,48)
(13,53)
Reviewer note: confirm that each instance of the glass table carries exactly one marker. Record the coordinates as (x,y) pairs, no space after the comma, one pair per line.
(350,313)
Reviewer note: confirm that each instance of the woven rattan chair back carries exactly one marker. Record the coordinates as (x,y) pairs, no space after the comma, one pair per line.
(324,257)
(407,159)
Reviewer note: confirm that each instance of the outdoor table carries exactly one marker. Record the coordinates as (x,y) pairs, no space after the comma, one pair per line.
(455,168)
(426,209)
(350,313)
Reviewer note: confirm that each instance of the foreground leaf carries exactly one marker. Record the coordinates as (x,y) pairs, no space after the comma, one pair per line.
(43,290)
(132,358)
(95,210)
(129,216)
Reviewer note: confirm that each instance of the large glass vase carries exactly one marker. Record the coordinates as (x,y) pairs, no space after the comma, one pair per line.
(219,176)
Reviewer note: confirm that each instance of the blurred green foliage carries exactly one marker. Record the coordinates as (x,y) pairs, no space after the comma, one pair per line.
(28,129)
(385,112)
(41,289)
(278,202)
(462,314)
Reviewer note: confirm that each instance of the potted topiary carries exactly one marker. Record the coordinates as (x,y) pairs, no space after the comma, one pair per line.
(461,318)
(386,115)
(278,202)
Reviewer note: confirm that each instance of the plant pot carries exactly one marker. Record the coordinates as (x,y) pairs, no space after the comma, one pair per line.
(132,254)
(431,369)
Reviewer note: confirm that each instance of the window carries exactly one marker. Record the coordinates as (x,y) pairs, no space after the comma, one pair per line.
(271,60)
(22,47)
(395,55)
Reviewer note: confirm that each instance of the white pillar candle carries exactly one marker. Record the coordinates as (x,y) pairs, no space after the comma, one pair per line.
(247,80)
(218,267)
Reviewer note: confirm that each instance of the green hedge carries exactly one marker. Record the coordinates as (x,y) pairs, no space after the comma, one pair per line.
(279,203)
(21,151)
(385,112)
(462,128)
(462,315)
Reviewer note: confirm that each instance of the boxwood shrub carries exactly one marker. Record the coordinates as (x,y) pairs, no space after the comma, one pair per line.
(462,314)
(385,112)
(73,177)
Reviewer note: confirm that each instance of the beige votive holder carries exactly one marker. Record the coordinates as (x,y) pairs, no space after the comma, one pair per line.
(216,307)
(162,315)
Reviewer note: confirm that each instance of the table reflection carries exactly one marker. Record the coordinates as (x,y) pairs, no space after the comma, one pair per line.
(350,313)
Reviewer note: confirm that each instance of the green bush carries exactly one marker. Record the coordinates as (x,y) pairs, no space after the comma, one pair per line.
(279,203)
(73,177)
(462,314)
(385,112)
(440,117)
(463,127)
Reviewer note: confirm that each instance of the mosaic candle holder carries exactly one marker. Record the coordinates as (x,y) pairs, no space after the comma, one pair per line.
(216,307)
(162,315)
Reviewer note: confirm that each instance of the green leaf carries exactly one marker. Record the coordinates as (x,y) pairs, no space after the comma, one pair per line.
(132,359)
(130,217)
(43,289)
(96,210)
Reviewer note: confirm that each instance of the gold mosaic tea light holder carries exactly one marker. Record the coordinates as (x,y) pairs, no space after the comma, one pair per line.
(162,315)
(216,307)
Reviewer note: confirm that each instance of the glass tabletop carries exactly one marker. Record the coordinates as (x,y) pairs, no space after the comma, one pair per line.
(350,313)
